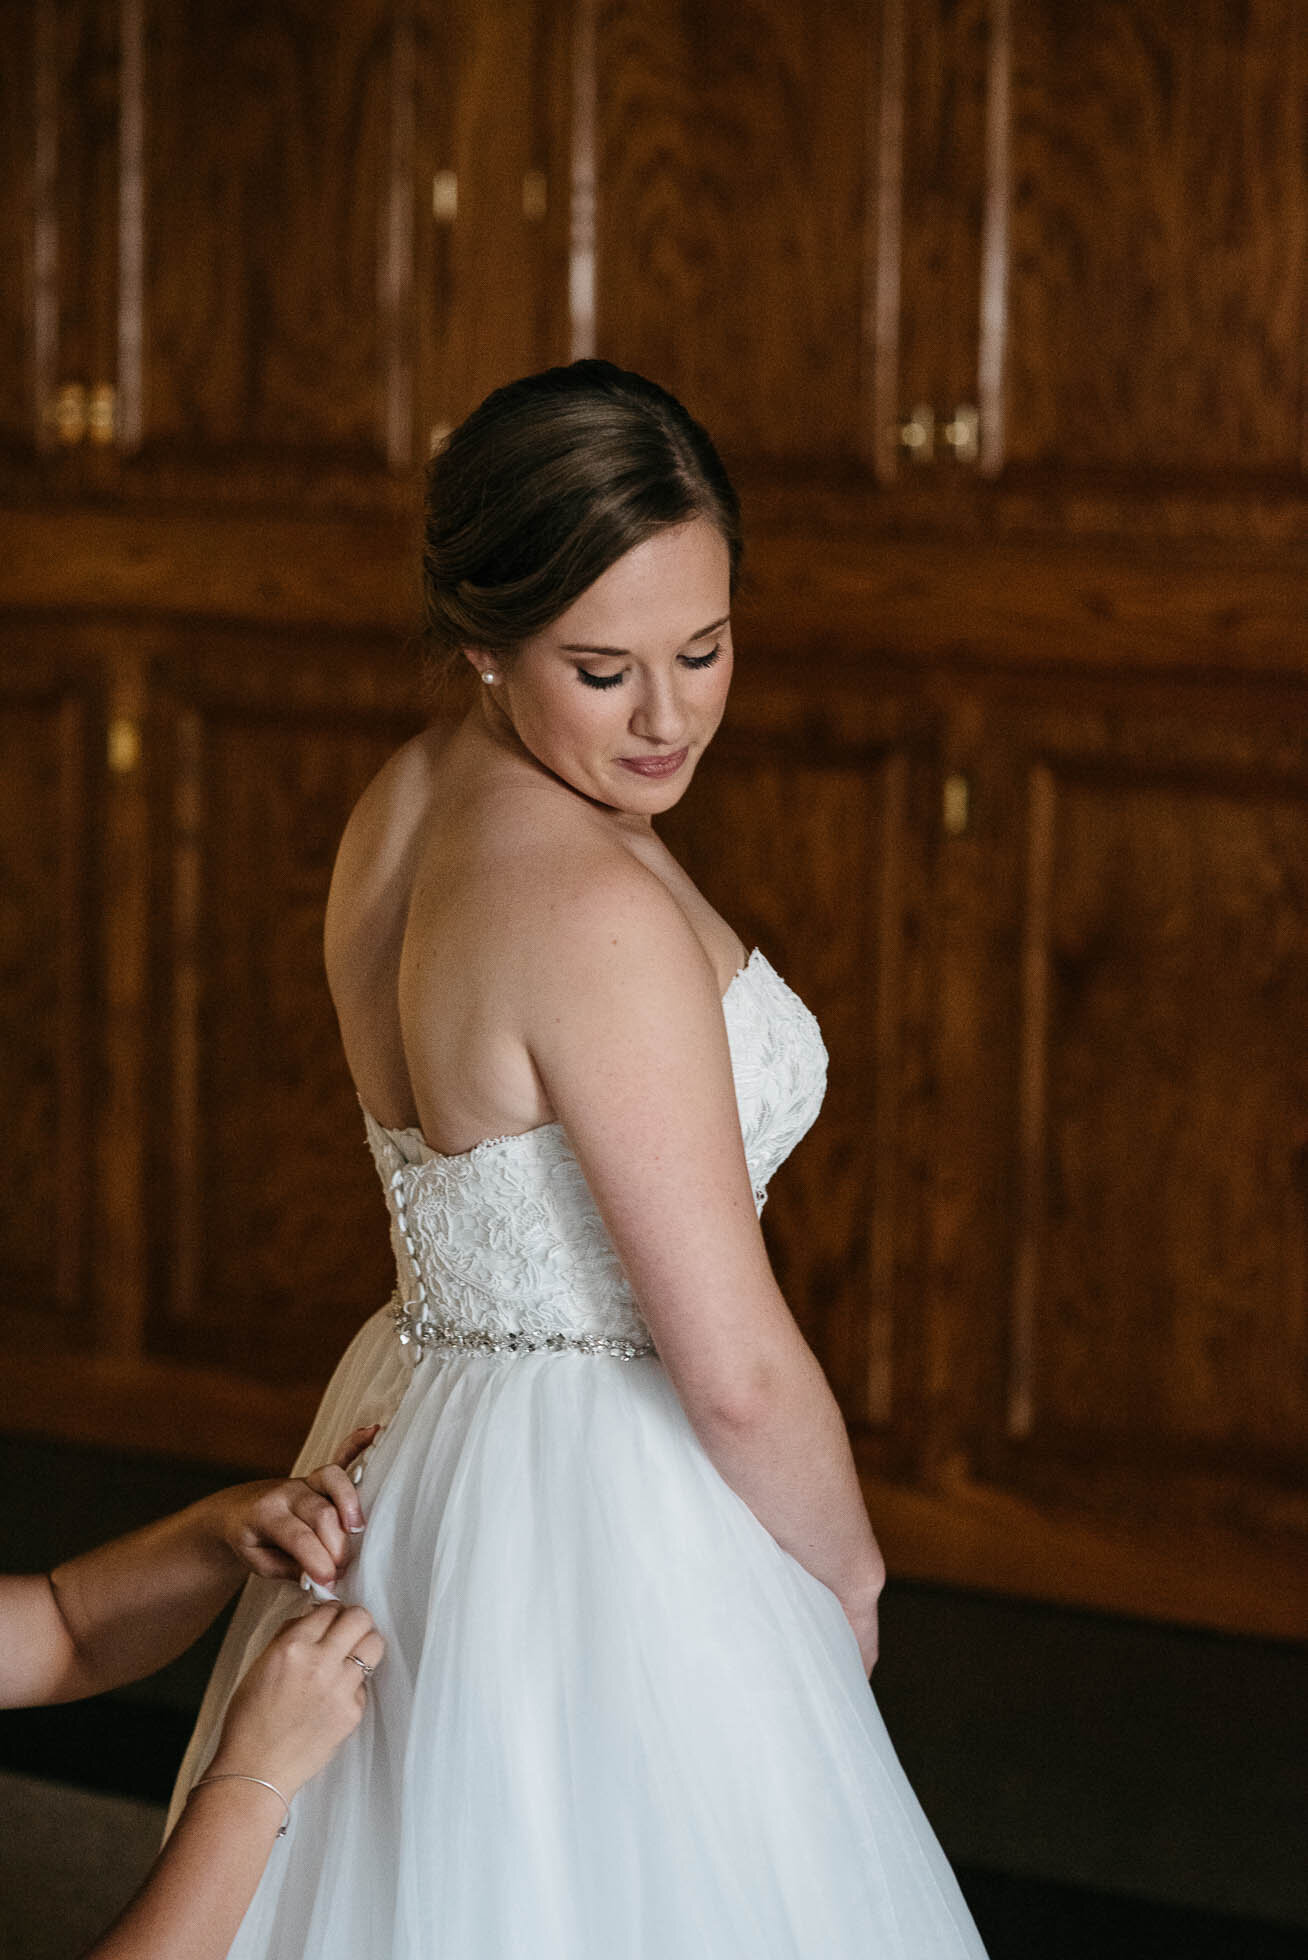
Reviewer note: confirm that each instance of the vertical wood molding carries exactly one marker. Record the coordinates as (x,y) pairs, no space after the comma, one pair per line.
(884,209)
(1033,1050)
(887,1138)
(185,1143)
(582,186)
(395,269)
(45,223)
(121,1179)
(73,1099)
(992,343)
(131,226)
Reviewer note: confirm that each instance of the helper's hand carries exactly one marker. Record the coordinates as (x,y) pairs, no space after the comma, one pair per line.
(301,1698)
(298,1524)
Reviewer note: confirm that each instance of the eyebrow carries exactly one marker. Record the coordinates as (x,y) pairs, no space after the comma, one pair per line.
(621,653)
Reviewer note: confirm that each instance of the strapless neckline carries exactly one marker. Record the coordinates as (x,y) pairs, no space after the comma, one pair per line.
(414,1136)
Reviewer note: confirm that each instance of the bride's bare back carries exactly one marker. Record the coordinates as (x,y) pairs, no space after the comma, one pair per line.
(454,870)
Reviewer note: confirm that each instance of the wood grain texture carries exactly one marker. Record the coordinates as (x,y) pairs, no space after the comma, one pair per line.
(1172,1306)
(271,289)
(1157,1232)
(989,1540)
(731,161)
(883,221)
(492,108)
(1159,281)
(27,165)
(821,573)
(49,718)
(944,186)
(270,1246)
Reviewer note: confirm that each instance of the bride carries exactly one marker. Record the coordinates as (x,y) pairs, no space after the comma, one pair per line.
(615,1540)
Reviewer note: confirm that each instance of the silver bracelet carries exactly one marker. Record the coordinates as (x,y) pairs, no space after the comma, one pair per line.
(239,1776)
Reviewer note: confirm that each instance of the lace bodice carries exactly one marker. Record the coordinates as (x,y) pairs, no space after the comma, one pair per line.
(502,1245)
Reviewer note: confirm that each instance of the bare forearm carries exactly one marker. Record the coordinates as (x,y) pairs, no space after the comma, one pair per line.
(785,1450)
(133,1605)
(195,1898)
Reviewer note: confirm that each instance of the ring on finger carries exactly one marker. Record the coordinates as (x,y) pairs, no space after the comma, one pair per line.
(362,1664)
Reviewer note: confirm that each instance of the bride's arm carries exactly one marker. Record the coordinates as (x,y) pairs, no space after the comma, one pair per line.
(627,1033)
(124,1609)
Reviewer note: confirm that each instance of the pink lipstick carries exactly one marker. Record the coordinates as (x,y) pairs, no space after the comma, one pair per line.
(654,765)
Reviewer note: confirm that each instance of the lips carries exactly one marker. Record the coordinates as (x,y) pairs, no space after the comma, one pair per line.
(654,765)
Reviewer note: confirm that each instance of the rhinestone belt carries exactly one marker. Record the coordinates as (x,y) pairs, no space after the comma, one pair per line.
(424,1331)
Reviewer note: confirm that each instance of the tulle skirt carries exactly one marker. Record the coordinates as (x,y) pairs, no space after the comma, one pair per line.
(615,1720)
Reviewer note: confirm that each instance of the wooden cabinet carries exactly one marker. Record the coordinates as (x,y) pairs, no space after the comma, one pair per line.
(191,1229)
(266,1247)
(1091,233)
(1052,249)
(263,257)
(730,163)
(1118,1260)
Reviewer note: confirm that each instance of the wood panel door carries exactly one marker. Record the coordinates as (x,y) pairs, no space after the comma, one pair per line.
(1157,287)
(730,158)
(269,169)
(269,1242)
(1119,1277)
(59,219)
(1090,260)
(191,1229)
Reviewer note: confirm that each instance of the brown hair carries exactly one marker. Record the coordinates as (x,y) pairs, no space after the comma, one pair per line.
(548,483)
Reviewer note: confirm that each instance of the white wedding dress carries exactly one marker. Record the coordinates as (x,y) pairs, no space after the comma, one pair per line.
(615,1720)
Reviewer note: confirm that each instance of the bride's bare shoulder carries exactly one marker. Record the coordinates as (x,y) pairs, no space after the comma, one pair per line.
(382,835)
(588,905)
(397,797)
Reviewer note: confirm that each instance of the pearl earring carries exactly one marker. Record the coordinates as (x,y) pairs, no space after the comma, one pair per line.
(488,676)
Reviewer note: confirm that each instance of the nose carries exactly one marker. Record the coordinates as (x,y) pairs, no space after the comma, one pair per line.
(657,714)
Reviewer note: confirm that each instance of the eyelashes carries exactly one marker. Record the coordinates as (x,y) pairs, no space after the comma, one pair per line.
(696,662)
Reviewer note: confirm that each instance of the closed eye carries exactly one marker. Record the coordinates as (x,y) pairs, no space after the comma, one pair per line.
(694,661)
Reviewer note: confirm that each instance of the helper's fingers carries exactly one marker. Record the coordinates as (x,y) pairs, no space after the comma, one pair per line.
(350,1627)
(306,1628)
(305,1546)
(370,1648)
(355,1444)
(332,1483)
(323,1519)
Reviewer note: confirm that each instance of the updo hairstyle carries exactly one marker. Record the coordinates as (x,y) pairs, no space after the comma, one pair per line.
(544,486)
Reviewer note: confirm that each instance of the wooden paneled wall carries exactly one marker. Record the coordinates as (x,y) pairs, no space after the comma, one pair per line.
(998,311)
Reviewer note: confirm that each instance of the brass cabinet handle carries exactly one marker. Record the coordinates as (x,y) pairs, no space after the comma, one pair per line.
(102,413)
(80,414)
(917,434)
(963,434)
(67,413)
(956,805)
(123,745)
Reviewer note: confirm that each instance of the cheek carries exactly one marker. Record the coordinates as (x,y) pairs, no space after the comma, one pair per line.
(722,676)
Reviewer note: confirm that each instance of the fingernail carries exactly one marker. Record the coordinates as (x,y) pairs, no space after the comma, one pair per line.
(321,1593)
(354,1529)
